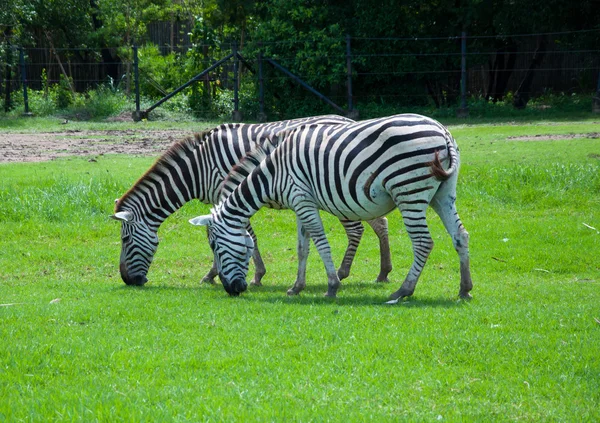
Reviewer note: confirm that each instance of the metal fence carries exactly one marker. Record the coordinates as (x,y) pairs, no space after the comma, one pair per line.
(457,61)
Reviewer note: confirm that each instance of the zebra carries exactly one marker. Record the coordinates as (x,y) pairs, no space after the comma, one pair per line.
(195,168)
(356,172)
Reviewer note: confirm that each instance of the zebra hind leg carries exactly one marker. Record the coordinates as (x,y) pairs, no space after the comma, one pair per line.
(413,215)
(354,232)
(380,226)
(444,203)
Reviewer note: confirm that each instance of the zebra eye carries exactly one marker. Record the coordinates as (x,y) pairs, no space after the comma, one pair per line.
(126,239)
(212,244)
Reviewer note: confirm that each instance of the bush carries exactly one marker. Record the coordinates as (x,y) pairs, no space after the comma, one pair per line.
(62,92)
(104,102)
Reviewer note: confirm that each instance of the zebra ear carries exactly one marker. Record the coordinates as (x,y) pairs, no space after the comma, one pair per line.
(204,220)
(124,216)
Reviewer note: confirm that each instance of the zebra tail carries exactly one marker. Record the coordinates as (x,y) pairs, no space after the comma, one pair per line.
(437,169)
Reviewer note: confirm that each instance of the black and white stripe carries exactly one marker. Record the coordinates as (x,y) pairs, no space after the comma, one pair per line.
(195,169)
(356,172)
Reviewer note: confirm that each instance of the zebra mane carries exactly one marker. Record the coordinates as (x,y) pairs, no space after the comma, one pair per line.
(241,170)
(164,162)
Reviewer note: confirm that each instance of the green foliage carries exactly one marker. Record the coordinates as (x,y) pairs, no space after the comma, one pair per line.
(94,104)
(104,102)
(159,74)
(63,93)
(404,56)
(39,102)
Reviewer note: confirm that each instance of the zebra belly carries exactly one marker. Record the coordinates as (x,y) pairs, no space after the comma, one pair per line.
(380,204)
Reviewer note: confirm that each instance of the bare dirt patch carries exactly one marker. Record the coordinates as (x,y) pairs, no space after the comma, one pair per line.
(52,145)
(548,137)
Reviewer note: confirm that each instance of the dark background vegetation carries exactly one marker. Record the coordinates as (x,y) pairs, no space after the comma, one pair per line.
(523,54)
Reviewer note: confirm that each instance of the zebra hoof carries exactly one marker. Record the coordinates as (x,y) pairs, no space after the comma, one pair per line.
(210,281)
(465,295)
(342,274)
(256,283)
(291,292)
(399,294)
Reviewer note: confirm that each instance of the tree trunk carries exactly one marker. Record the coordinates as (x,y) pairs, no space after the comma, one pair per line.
(523,93)
(500,72)
(57,57)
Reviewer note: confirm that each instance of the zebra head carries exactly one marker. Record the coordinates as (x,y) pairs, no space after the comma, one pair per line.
(138,245)
(232,248)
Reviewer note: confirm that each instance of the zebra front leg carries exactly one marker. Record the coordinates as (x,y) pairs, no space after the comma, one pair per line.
(416,226)
(303,248)
(312,223)
(259,265)
(210,276)
(354,232)
(380,226)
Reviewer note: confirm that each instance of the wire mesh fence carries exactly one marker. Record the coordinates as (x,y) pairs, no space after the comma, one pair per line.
(356,70)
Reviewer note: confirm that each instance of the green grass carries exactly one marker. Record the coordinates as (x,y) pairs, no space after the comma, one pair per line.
(78,345)
(54,124)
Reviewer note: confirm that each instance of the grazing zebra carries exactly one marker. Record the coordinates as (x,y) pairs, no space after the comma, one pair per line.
(195,169)
(357,171)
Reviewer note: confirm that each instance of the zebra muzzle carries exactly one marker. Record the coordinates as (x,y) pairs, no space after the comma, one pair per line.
(137,280)
(236,287)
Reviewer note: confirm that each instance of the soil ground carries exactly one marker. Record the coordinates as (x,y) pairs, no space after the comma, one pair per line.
(52,145)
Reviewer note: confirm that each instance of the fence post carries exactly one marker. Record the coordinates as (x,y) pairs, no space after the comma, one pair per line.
(24,81)
(463,111)
(137,115)
(262,117)
(8,79)
(236,116)
(351,113)
(596,99)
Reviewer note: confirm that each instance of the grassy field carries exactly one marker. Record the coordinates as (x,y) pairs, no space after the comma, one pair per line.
(78,345)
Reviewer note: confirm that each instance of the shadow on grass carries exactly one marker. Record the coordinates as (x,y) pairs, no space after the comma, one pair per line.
(313,295)
(349,294)
(363,300)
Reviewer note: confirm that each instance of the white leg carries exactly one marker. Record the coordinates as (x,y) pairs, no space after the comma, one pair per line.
(311,221)
(303,248)
(444,203)
(354,232)
(416,226)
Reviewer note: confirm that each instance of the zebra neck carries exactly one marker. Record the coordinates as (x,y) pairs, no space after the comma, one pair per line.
(244,201)
(158,195)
